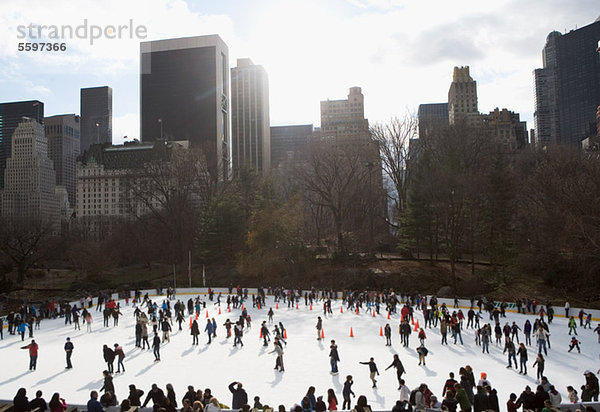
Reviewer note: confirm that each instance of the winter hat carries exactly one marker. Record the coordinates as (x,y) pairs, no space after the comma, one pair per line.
(587,372)
(68,338)
(483,375)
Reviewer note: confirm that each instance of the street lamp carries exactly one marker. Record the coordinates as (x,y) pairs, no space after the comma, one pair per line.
(97,132)
(161,128)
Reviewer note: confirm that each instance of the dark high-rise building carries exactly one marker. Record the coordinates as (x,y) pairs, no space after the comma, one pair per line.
(11,114)
(289,143)
(96,116)
(567,88)
(431,115)
(250,134)
(63,134)
(184,95)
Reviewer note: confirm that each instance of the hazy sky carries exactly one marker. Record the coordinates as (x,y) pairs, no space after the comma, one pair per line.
(401,52)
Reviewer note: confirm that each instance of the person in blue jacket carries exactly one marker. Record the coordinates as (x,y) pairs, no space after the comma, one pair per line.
(209,330)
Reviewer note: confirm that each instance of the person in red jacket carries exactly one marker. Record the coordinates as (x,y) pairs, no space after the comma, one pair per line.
(33,354)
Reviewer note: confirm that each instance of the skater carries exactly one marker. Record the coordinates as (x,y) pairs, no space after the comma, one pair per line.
(396,363)
(214,324)
(165,327)
(574,344)
(279,351)
(539,362)
(228,327)
(69,351)
(509,347)
(572,325)
(156,347)
(195,332)
(334,357)
(347,391)
(108,383)
(527,332)
(422,351)
(109,358)
(319,327)
(422,337)
(120,355)
(209,330)
(372,370)
(264,330)
(33,354)
(238,331)
(270,315)
(387,332)
(240,397)
(542,337)
(522,352)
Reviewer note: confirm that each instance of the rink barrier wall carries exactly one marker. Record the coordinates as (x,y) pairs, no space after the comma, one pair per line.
(559,311)
(562,407)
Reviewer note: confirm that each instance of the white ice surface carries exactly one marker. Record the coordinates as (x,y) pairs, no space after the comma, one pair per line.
(306,360)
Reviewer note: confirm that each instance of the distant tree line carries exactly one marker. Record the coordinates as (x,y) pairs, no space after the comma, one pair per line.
(454,195)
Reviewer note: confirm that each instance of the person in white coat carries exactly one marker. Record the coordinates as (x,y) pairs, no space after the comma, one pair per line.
(213,405)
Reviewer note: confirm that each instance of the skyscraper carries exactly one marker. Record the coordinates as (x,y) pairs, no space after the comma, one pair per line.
(431,115)
(250,133)
(462,98)
(184,95)
(11,114)
(345,118)
(63,134)
(289,143)
(567,88)
(29,180)
(96,116)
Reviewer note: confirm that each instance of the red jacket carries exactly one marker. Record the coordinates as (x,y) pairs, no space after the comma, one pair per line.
(33,349)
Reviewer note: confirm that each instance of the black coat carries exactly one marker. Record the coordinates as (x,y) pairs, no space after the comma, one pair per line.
(481,403)
(240,397)
(135,397)
(21,404)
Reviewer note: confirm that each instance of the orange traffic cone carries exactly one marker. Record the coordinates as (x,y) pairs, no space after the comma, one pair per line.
(228,308)
(296,306)
(260,334)
(357,310)
(373,312)
(277,306)
(207,313)
(417,326)
(311,306)
(191,322)
(285,334)
(342,309)
(351,333)
(259,306)
(242,307)
(322,334)
(381,331)
(219,311)
(196,315)
(388,315)
(412,321)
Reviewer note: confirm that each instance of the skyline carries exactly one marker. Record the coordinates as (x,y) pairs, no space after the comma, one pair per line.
(400,54)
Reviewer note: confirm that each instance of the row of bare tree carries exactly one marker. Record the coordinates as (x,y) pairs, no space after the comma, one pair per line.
(454,196)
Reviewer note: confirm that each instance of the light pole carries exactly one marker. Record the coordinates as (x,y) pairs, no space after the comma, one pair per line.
(97,132)
(161,128)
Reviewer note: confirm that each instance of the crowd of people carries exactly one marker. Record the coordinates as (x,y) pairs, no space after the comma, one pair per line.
(463,394)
